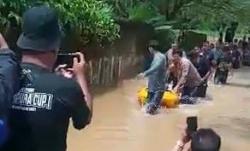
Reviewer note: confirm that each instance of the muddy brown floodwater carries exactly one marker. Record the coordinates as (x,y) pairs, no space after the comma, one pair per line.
(120,125)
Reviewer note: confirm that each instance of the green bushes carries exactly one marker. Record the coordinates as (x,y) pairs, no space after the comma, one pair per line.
(166,36)
(191,39)
(91,20)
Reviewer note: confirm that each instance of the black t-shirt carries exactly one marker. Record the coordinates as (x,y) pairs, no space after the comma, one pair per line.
(41,110)
(203,66)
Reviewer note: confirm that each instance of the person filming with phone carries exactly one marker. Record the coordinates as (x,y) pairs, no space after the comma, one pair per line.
(40,112)
(204,139)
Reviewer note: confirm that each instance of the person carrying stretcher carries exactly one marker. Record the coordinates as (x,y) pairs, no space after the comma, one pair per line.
(156,78)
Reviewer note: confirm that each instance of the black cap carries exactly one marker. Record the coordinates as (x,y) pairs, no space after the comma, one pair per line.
(41,31)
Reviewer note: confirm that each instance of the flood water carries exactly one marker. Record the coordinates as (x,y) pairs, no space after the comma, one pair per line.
(120,125)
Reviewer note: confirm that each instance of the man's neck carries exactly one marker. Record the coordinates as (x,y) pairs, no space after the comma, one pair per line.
(36,61)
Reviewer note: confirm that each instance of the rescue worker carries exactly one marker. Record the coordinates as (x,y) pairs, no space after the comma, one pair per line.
(157,76)
(188,78)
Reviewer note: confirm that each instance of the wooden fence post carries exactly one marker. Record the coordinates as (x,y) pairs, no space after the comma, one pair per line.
(99,71)
(103,71)
(112,69)
(119,67)
(91,72)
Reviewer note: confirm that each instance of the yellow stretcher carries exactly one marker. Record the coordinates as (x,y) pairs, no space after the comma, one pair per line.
(170,99)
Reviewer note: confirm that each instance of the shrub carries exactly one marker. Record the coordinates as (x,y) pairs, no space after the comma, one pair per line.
(92,20)
(166,36)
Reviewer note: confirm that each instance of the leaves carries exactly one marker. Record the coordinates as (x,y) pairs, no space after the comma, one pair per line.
(92,19)
(142,12)
(185,14)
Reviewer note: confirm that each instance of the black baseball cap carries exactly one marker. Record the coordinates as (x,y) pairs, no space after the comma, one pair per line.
(41,30)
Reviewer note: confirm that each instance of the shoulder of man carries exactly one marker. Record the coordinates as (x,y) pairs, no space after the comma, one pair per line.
(65,84)
(185,60)
(73,97)
(162,57)
(67,91)
(9,77)
(57,84)
(70,91)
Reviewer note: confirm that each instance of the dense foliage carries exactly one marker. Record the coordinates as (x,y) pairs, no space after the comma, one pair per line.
(92,20)
(214,15)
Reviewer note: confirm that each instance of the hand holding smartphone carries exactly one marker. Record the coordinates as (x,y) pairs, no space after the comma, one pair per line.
(192,125)
(64,64)
(66,59)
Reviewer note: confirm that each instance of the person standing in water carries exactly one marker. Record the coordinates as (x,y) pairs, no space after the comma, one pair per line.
(171,75)
(157,76)
(40,112)
(189,78)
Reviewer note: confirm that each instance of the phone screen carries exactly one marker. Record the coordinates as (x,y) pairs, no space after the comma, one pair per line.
(66,58)
(192,124)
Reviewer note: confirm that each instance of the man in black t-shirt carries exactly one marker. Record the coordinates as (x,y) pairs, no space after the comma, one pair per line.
(41,110)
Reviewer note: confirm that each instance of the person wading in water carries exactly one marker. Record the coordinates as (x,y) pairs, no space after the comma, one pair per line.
(157,76)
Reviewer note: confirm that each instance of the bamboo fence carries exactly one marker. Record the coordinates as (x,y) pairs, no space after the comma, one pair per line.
(109,70)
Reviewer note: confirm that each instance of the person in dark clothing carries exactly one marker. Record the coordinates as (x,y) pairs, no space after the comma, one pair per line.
(204,64)
(236,41)
(244,43)
(223,66)
(248,41)
(41,110)
(9,84)
(204,68)
(193,57)
(236,57)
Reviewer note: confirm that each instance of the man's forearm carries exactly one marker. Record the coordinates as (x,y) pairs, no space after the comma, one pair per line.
(207,75)
(150,70)
(184,74)
(84,86)
(181,82)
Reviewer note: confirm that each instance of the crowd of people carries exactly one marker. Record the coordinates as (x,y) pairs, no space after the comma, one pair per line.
(219,58)
(188,73)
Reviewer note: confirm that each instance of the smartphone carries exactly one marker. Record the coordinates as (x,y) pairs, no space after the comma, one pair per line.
(192,124)
(66,58)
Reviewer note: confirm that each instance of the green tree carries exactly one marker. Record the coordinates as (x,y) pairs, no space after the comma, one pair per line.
(215,15)
(135,10)
(92,20)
